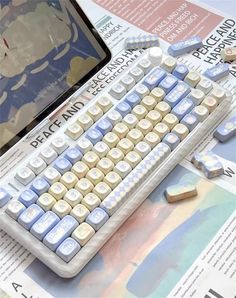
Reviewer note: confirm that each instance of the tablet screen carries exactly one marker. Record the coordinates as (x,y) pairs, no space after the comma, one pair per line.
(47,49)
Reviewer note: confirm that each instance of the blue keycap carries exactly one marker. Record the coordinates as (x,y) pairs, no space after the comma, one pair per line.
(190,121)
(62,165)
(4,197)
(177,93)
(97,218)
(94,136)
(39,186)
(30,216)
(168,83)
(123,108)
(226,130)
(182,108)
(180,71)
(217,72)
(172,140)
(154,78)
(185,46)
(73,155)
(44,224)
(104,126)
(28,197)
(132,99)
(68,249)
(60,232)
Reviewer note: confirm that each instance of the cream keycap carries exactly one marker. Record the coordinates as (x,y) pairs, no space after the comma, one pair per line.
(69,179)
(105,165)
(158,94)
(121,130)
(145,126)
(125,145)
(85,121)
(74,131)
(210,103)
(192,78)
(73,197)
(152,139)
(111,139)
(133,159)
(91,201)
(122,168)
(95,112)
(200,112)
(112,179)
(169,64)
(181,131)
(135,136)
(130,120)
(46,201)
(161,129)
(84,186)
(83,233)
(80,169)
(84,145)
(61,208)
(101,149)
(102,190)
(148,102)
(218,94)
(170,120)
(142,148)
(90,159)
(154,117)
(139,111)
(95,176)
(79,212)
(163,108)
(104,103)
(57,190)
(115,155)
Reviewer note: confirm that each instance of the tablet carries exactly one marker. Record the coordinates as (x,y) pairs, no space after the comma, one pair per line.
(48,49)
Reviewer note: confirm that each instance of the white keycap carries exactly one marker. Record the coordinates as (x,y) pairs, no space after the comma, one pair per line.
(161,129)
(152,139)
(155,55)
(128,82)
(158,94)
(74,131)
(61,208)
(73,197)
(80,169)
(163,108)
(51,175)
(48,155)
(84,145)
(91,201)
(114,117)
(37,165)
(135,136)
(122,168)
(84,186)
(59,145)
(181,131)
(112,179)
(141,90)
(57,190)
(85,121)
(69,179)
(25,175)
(46,201)
(121,130)
(145,65)
(169,64)
(14,209)
(204,85)
(117,91)
(200,112)
(154,117)
(101,149)
(196,96)
(142,148)
(218,94)
(105,165)
(133,159)
(102,190)
(115,155)
(95,176)
(125,145)
(140,111)
(90,159)
(83,233)
(111,139)
(137,73)
(104,103)
(79,212)
(95,112)
(130,120)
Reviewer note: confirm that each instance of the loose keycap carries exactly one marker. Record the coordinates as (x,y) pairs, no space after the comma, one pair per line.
(179,192)
(217,72)
(226,130)
(228,54)
(140,42)
(185,46)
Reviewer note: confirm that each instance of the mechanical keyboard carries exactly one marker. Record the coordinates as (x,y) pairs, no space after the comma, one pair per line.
(78,188)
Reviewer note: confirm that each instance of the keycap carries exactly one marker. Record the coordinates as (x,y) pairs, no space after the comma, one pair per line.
(111,139)
(97,218)
(218,94)
(73,155)
(95,176)
(123,108)
(154,78)
(152,139)
(228,54)
(198,157)
(182,108)
(90,159)
(132,99)
(137,73)
(180,71)
(24,175)
(226,130)
(148,102)
(162,150)
(105,165)
(42,226)
(145,65)
(94,135)
(168,83)
(27,197)
(154,117)
(114,117)
(57,190)
(84,186)
(170,120)
(196,96)
(84,145)
(14,209)
(104,126)
(161,129)
(133,159)
(130,120)
(210,103)
(217,72)
(180,191)
(121,130)
(102,190)
(192,78)
(101,149)
(62,165)
(122,168)
(127,81)
(141,90)
(74,131)
(185,46)
(169,64)
(172,140)
(73,197)
(104,103)
(155,55)
(91,201)
(139,111)
(204,85)
(142,149)
(163,108)
(200,112)
(60,232)
(181,131)
(117,91)
(190,121)
(140,42)
(68,249)
(69,179)
(145,126)
(95,112)
(135,136)
(112,179)
(83,233)
(48,155)
(177,93)
(46,201)
(39,186)
(80,212)
(85,121)
(158,94)
(80,169)
(4,197)
(61,208)
(29,216)
(212,168)
(37,165)
(59,145)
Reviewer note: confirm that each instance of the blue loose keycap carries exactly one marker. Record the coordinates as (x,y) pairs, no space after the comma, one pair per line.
(182,108)
(62,165)
(28,197)
(190,121)
(97,218)
(180,71)
(104,126)
(185,46)
(39,186)
(68,249)
(217,72)
(4,197)
(226,130)
(177,93)
(60,232)
(44,224)
(94,135)
(132,99)
(154,78)
(30,216)
(168,83)
(73,155)
(123,108)
(172,140)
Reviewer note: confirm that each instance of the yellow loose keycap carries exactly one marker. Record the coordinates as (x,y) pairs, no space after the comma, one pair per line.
(91,201)
(84,186)
(69,179)
(163,108)
(161,129)
(79,212)
(180,130)
(135,136)
(83,233)
(192,78)
(145,126)
(125,145)
(46,201)
(210,103)
(105,165)
(170,120)
(74,131)
(61,208)
(95,176)
(102,190)
(95,112)
(80,169)
(152,139)
(133,159)
(111,139)
(148,102)
(180,192)
(158,94)
(73,197)
(90,159)
(57,190)
(104,103)
(115,155)
(85,121)
(121,130)
(112,179)
(139,111)
(154,117)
